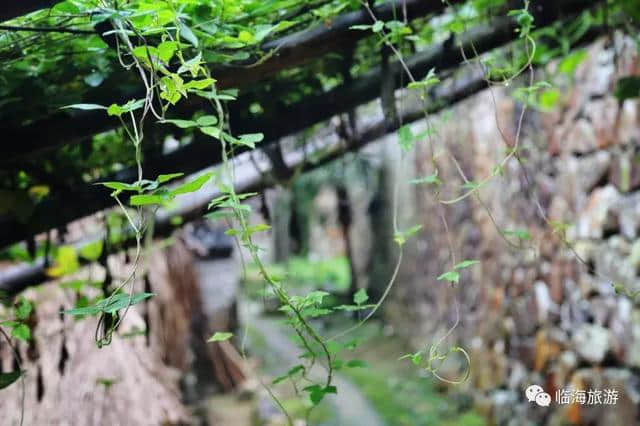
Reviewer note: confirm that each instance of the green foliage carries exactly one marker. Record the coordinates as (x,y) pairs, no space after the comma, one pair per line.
(298,272)
(430,80)
(317,392)
(360,297)
(158,194)
(627,88)
(432,179)
(66,262)
(173,47)
(453,276)
(293,372)
(23,309)
(219,336)
(20,324)
(111,304)
(401,237)
(569,63)
(401,396)
(521,234)
(524,19)
(91,251)
(7,379)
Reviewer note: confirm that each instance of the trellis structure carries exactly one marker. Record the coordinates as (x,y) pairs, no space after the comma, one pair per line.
(40,139)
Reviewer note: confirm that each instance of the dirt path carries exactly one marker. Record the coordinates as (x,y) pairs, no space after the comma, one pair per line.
(351,407)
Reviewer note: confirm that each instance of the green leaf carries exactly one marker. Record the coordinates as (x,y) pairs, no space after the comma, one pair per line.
(337,364)
(570,62)
(456,26)
(314,298)
(187,34)
(518,233)
(250,139)
(451,276)
(7,379)
(627,88)
(111,304)
(415,358)
(66,262)
(166,49)
(66,7)
(193,185)
(91,251)
(401,237)
(465,264)
(207,120)
(84,107)
(120,186)
(317,392)
(353,308)
(143,52)
(214,132)
(219,336)
(118,110)
(360,297)
(183,124)
(430,180)
(166,178)
(292,372)
(22,332)
(406,138)
(107,383)
(198,85)
(192,65)
(356,363)
(426,82)
(377,27)
(245,36)
(471,185)
(146,199)
(314,312)
(122,300)
(549,98)
(23,309)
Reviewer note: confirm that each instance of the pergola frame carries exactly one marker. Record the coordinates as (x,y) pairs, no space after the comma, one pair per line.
(291,51)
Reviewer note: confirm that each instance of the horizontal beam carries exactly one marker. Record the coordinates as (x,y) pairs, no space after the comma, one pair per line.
(60,209)
(287,52)
(16,279)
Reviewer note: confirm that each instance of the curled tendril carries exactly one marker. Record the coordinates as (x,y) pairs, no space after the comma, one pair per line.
(434,357)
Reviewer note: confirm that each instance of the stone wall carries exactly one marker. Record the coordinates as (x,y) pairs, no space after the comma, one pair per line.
(542,313)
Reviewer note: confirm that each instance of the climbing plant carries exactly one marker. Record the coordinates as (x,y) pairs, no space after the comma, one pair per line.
(173,50)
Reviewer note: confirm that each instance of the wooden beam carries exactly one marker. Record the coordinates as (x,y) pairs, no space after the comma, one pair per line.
(15,279)
(286,52)
(60,209)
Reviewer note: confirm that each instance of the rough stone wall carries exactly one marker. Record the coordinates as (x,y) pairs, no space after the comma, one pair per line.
(536,314)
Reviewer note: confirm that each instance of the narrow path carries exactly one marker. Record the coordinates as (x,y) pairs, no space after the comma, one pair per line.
(352,408)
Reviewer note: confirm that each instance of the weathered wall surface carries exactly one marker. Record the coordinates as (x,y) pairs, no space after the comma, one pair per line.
(536,314)
(133,381)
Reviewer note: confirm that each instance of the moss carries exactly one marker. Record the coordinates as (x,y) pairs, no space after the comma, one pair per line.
(397,390)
